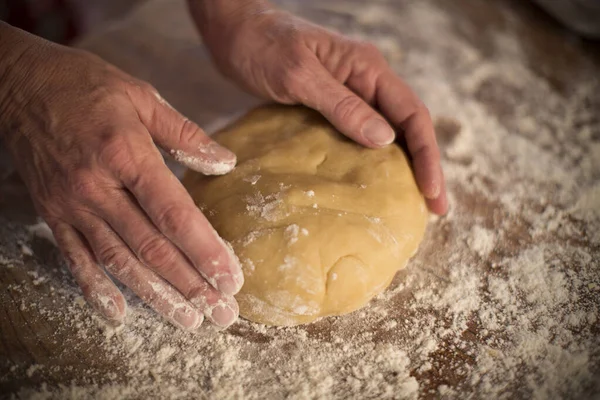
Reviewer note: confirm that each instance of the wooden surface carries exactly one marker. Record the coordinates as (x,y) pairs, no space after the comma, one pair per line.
(159,47)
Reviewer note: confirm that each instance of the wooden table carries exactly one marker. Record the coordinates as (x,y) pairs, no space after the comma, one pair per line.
(158,44)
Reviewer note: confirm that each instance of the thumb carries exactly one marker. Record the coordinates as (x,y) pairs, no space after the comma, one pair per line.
(182,138)
(349,113)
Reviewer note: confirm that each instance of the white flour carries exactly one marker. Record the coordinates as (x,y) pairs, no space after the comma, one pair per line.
(502,300)
(205,164)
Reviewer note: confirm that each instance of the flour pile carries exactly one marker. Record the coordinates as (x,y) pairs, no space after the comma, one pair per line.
(502,300)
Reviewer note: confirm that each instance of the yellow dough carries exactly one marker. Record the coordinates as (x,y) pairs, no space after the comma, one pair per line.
(320,224)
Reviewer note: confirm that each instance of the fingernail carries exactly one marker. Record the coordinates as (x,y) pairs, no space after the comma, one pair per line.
(187,318)
(107,307)
(213,159)
(378,132)
(218,159)
(228,284)
(217,152)
(223,315)
(110,310)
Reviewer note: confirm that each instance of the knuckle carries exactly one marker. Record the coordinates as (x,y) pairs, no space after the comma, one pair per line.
(200,292)
(367,58)
(367,51)
(83,184)
(189,132)
(370,51)
(147,87)
(418,110)
(115,151)
(347,107)
(175,220)
(157,252)
(423,114)
(296,44)
(421,108)
(116,262)
(135,174)
(76,263)
(111,256)
(427,152)
(117,154)
(138,86)
(425,110)
(295,74)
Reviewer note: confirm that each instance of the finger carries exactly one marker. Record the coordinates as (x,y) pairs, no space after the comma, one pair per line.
(182,138)
(439,205)
(350,114)
(171,209)
(146,284)
(355,118)
(220,310)
(158,253)
(98,289)
(402,107)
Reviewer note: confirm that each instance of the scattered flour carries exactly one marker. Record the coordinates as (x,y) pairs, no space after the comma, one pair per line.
(267,207)
(482,241)
(291,234)
(252,179)
(502,301)
(26,250)
(42,230)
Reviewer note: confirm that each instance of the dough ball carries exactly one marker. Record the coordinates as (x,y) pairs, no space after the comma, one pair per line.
(320,224)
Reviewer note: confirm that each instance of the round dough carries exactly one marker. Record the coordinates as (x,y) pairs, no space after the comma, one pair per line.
(320,224)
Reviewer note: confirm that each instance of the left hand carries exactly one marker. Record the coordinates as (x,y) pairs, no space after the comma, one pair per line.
(283,58)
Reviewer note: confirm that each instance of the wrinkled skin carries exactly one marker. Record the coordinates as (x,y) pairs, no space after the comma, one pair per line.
(84,137)
(283,58)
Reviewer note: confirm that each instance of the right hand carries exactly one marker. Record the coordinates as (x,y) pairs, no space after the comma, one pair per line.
(278,56)
(82,134)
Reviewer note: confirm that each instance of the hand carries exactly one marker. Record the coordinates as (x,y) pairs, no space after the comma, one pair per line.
(286,59)
(82,134)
